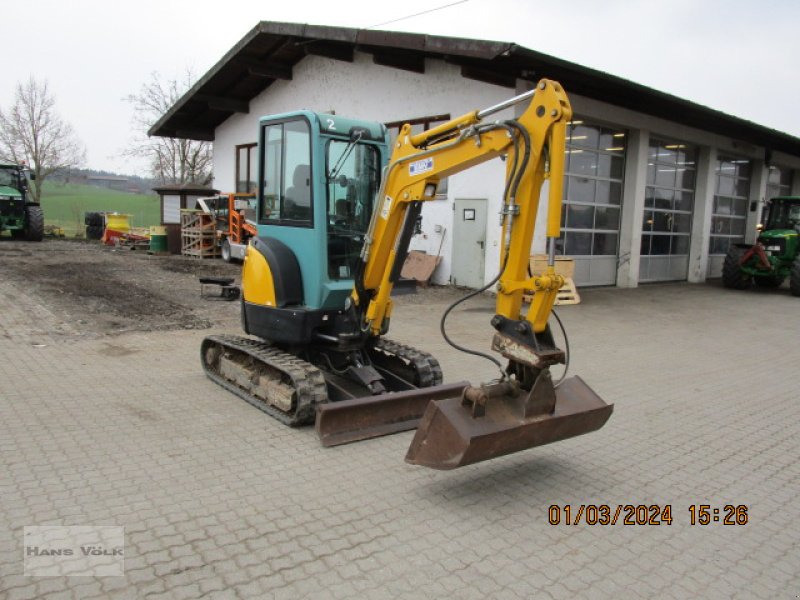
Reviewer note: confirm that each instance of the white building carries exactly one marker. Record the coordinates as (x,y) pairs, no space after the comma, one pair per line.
(656,187)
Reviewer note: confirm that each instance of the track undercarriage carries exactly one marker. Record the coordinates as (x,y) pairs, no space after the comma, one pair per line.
(291,387)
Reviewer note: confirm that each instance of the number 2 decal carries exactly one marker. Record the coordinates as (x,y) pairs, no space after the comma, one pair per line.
(331,124)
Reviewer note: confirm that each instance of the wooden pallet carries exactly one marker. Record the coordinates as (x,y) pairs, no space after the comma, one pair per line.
(198,234)
(196,220)
(199,245)
(568,294)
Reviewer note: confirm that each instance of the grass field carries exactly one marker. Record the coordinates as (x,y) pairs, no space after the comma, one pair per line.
(65,204)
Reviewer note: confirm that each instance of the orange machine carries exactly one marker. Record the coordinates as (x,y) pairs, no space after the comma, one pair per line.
(235,216)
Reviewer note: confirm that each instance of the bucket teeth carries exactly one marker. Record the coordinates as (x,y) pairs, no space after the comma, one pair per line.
(449,436)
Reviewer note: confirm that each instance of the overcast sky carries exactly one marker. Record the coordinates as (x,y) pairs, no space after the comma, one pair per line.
(735,56)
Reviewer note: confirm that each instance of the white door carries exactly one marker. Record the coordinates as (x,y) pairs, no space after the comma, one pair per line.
(469,242)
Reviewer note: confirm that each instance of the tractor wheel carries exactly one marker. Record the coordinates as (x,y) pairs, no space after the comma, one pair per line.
(768,281)
(794,278)
(94,232)
(732,275)
(34,223)
(226,250)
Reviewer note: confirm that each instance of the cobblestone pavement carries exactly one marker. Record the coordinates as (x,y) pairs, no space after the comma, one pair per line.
(220,501)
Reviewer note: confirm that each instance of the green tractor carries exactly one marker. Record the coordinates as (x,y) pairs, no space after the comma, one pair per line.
(18,213)
(776,254)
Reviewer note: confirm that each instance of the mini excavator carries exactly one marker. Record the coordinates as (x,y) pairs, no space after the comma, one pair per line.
(336,214)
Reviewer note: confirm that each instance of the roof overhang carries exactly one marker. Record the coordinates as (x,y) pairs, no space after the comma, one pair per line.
(269,52)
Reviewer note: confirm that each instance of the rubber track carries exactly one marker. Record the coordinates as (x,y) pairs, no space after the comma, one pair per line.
(425,365)
(307,380)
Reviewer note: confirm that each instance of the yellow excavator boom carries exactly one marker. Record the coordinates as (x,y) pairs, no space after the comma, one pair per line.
(419,162)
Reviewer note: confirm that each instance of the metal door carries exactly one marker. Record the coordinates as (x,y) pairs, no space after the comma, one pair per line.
(469,242)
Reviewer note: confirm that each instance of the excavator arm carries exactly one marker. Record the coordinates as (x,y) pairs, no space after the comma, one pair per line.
(533,147)
(524,408)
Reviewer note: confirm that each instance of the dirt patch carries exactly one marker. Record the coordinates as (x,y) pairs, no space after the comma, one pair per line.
(100,290)
(103,290)
(95,290)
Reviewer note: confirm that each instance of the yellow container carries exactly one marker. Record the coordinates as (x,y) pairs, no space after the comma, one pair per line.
(118,222)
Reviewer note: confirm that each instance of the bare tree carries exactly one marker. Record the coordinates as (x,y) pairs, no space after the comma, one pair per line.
(171,160)
(32,132)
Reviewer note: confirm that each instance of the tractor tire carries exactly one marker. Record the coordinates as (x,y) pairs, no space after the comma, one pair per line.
(732,275)
(34,223)
(226,250)
(93,219)
(794,278)
(768,281)
(94,232)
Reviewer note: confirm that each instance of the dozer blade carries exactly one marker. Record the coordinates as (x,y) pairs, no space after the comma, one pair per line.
(449,436)
(372,416)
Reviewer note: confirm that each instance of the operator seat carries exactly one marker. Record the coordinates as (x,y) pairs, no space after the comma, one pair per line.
(297,201)
(344,210)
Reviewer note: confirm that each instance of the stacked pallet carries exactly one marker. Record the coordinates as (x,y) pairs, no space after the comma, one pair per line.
(198,234)
(568,294)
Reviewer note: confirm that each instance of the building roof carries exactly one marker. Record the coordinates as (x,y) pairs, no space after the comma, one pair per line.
(270,50)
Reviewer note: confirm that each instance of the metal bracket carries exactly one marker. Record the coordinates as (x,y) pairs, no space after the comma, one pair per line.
(510,209)
(516,341)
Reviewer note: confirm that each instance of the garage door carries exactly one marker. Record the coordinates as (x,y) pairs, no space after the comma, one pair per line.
(592,201)
(729,216)
(668,207)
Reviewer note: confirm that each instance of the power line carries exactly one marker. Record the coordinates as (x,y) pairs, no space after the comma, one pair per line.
(424,12)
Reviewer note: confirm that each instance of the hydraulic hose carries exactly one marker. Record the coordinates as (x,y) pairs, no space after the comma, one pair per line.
(566,350)
(515,176)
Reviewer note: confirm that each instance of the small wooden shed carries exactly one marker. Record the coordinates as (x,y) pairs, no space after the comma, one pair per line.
(175,197)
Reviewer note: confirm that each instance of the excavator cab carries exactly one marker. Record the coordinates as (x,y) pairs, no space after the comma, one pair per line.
(319,177)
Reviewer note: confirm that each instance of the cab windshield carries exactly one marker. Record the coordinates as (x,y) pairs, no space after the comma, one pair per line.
(353,173)
(784,215)
(9,178)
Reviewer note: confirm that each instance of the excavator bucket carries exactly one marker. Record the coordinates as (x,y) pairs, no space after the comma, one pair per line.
(493,421)
(372,416)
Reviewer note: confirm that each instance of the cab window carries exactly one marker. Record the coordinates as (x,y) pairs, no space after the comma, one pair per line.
(286,194)
(353,174)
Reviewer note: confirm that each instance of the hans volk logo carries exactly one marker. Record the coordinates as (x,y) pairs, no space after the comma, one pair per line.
(79,551)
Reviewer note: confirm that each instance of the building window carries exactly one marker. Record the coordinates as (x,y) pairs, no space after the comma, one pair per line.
(779,182)
(171,210)
(592,190)
(729,215)
(419,125)
(245,169)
